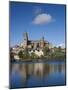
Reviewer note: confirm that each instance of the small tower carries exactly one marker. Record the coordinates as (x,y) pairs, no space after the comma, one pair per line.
(42,42)
(25,39)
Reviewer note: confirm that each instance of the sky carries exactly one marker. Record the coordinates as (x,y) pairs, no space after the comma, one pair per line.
(37,20)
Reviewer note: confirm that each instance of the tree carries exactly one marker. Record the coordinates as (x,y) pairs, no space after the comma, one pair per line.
(11,54)
(33,55)
(59,49)
(46,51)
(20,54)
(26,54)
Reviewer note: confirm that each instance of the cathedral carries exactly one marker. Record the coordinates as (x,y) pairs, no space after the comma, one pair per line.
(33,44)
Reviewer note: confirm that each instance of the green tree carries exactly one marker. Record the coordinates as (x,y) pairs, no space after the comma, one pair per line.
(26,54)
(33,55)
(46,51)
(59,49)
(20,54)
(11,54)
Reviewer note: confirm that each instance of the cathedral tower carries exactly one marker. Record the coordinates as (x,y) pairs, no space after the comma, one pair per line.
(25,39)
(42,42)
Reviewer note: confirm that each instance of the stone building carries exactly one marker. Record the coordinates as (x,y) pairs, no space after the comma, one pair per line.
(33,44)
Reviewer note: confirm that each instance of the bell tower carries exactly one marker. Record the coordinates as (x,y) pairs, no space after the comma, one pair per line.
(42,42)
(25,39)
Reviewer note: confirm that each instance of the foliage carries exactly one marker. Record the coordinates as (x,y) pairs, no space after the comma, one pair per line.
(11,54)
(55,53)
(20,54)
(46,51)
(33,56)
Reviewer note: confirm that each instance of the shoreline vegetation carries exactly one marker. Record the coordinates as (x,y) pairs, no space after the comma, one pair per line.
(38,60)
(54,54)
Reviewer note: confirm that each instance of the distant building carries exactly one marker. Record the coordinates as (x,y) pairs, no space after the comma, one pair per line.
(33,46)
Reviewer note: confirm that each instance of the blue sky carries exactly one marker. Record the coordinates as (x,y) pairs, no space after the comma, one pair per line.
(38,20)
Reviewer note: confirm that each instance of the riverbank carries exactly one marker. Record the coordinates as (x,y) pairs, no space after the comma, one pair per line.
(37,60)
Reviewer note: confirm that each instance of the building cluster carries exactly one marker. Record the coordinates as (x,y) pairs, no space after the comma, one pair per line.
(33,46)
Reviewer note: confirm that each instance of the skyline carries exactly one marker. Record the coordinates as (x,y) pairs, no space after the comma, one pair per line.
(37,20)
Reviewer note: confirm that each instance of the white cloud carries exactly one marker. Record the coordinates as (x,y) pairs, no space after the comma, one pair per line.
(42,19)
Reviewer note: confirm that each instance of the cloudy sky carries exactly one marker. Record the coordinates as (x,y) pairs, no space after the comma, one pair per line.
(38,20)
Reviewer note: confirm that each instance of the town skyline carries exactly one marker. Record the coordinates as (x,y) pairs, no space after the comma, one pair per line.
(37,20)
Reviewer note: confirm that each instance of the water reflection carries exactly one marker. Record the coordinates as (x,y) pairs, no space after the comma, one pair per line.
(37,74)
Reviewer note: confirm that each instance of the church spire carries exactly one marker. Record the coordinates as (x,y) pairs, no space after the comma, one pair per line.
(25,36)
(25,39)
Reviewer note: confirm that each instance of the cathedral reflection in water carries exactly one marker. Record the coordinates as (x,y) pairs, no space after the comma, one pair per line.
(21,74)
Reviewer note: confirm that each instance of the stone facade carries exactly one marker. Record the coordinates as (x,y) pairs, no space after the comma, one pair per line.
(33,44)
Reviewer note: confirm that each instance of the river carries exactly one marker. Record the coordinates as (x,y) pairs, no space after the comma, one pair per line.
(37,74)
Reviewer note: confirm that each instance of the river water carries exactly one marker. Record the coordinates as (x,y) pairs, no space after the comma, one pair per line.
(37,74)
